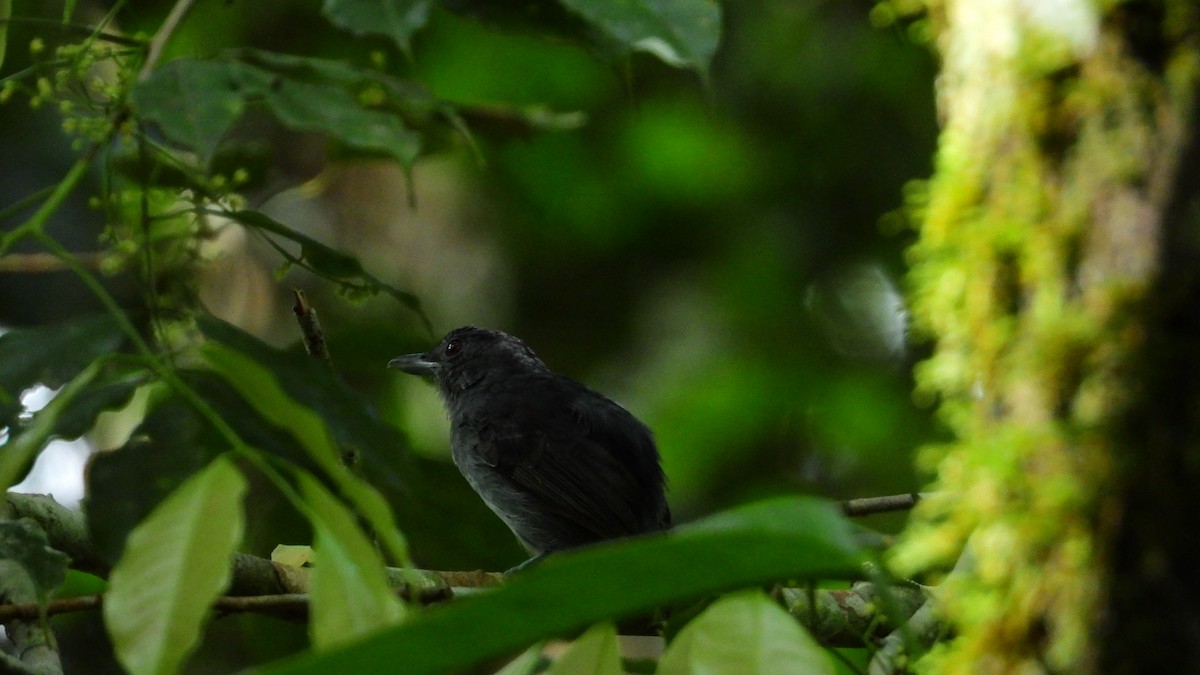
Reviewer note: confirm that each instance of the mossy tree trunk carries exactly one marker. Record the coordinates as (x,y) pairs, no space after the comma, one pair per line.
(1051,237)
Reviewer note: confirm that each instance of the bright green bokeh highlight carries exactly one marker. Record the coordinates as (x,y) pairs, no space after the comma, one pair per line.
(463,61)
(684,155)
(569,194)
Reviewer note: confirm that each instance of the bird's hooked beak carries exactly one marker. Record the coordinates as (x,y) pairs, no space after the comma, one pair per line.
(415,364)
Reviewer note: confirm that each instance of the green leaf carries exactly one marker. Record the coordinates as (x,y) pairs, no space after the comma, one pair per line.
(329,97)
(79,417)
(21,449)
(788,538)
(262,391)
(525,663)
(172,444)
(396,19)
(350,593)
(329,261)
(321,257)
(77,584)
(24,543)
(430,496)
(175,564)
(5,15)
(595,652)
(193,102)
(51,355)
(337,112)
(682,33)
(744,633)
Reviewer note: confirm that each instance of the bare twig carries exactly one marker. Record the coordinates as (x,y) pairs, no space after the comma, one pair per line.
(75,28)
(163,35)
(35,263)
(292,606)
(842,617)
(854,508)
(29,611)
(285,605)
(252,576)
(310,328)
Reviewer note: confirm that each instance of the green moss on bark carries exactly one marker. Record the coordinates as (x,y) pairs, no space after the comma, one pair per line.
(1039,240)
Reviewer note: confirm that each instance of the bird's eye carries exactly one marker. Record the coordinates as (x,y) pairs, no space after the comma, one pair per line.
(453,348)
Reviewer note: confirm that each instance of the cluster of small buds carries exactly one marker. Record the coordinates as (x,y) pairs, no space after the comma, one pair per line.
(219,182)
(83,82)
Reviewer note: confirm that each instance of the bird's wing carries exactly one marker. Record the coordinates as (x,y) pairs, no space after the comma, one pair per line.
(578,481)
(632,443)
(576,473)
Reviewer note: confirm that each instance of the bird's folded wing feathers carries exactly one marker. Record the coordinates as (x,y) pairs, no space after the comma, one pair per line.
(581,482)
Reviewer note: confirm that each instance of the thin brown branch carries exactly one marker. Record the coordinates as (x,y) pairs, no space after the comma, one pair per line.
(474,579)
(74,28)
(29,611)
(841,617)
(65,529)
(310,328)
(37,263)
(866,506)
(287,605)
(291,606)
(163,35)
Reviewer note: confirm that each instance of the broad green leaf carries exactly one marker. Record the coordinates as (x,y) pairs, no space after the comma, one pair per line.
(305,68)
(5,15)
(326,260)
(175,564)
(194,102)
(430,496)
(596,652)
(683,33)
(262,391)
(350,594)
(525,663)
(20,450)
(80,416)
(330,262)
(322,257)
(780,539)
(170,445)
(337,112)
(744,633)
(330,97)
(396,19)
(23,542)
(77,584)
(51,355)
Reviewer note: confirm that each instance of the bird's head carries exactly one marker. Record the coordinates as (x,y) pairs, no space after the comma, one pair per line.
(468,356)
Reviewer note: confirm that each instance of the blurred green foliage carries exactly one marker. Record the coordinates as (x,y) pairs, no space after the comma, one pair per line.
(660,252)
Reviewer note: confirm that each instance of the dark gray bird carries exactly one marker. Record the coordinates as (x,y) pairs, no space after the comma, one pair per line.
(560,464)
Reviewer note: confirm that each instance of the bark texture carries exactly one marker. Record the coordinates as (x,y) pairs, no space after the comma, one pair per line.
(1042,239)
